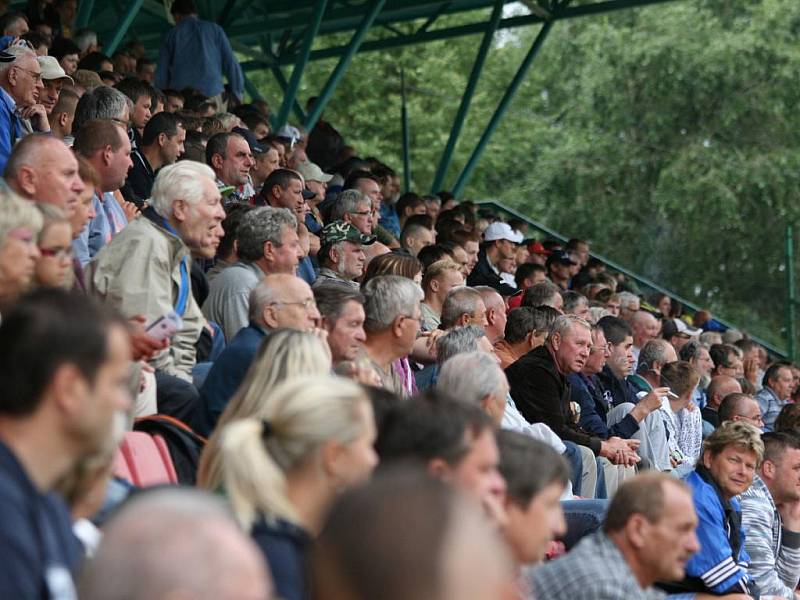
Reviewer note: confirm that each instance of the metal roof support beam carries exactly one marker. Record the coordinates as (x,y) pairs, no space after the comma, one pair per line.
(344,62)
(252,89)
(505,102)
(298,110)
(405,133)
(84,14)
(290,95)
(226,12)
(125,22)
(466,99)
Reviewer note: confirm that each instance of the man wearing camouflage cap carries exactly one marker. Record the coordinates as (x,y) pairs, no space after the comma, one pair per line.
(341,254)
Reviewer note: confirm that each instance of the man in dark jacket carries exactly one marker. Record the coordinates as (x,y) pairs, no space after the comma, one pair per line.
(499,242)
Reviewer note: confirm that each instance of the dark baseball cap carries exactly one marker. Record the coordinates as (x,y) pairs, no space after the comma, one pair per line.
(255,146)
(561,257)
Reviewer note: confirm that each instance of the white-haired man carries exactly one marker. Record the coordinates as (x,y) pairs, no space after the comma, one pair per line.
(145,270)
(20,111)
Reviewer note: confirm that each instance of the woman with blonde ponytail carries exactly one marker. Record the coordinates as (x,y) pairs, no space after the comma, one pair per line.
(282,471)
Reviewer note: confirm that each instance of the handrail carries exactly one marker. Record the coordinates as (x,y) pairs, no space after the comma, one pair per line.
(627,272)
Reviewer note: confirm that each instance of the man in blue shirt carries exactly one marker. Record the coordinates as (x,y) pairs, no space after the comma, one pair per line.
(64,375)
(195,54)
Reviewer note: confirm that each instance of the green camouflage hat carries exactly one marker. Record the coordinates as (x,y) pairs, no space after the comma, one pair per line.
(342,231)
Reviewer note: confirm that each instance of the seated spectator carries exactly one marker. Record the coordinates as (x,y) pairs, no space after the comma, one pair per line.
(495,313)
(352,206)
(59,351)
(629,305)
(267,243)
(408,205)
(284,189)
(42,169)
(141,95)
(342,311)
(145,271)
(526,329)
(696,354)
(648,536)
(575,304)
(282,472)
(541,392)
(62,115)
(730,457)
(384,558)
(103,102)
(20,224)
(341,255)
(719,388)
(54,267)
(279,301)
(146,70)
(415,236)
(161,144)
(559,268)
(751,361)
(204,555)
(741,407)
(317,182)
(227,251)
(104,145)
(67,53)
(457,340)
(53,78)
(463,306)
(392,322)
(229,155)
(476,378)
(645,327)
(439,278)
(789,418)
(769,517)
(13,24)
(543,294)
(776,391)
(529,274)
(536,478)
(20,111)
(499,242)
(726,361)
(452,440)
(96,61)
(678,333)
(684,428)
(620,364)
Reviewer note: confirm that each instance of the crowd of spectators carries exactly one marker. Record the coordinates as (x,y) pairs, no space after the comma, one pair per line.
(385,395)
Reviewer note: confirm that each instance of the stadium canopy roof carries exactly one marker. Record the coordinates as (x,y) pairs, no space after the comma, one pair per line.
(277,33)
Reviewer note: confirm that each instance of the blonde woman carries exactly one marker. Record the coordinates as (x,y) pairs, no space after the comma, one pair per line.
(20,224)
(54,266)
(282,472)
(283,354)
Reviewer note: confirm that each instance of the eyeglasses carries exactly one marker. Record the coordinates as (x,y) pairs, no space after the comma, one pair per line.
(364,213)
(37,77)
(308,303)
(58,253)
(120,122)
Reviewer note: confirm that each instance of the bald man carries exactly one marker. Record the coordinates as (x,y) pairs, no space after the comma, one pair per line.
(717,390)
(43,169)
(645,328)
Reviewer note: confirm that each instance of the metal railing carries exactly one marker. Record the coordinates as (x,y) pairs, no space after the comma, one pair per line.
(639,279)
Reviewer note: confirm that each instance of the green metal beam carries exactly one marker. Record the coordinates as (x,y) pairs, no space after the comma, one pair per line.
(505,102)
(791,296)
(298,110)
(344,62)
(466,99)
(300,65)
(226,13)
(252,89)
(127,19)
(84,14)
(405,133)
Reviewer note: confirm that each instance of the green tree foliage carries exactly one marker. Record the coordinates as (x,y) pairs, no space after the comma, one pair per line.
(669,136)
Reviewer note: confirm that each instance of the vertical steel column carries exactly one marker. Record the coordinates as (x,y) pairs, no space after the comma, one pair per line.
(302,59)
(404,126)
(127,19)
(251,89)
(791,297)
(344,62)
(84,14)
(466,99)
(501,108)
(298,110)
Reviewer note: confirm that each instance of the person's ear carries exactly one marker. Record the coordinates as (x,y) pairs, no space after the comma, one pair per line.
(162,139)
(216,161)
(107,154)
(269,316)
(637,531)
(434,285)
(333,454)
(267,250)
(180,210)
(69,388)
(63,119)
(397,326)
(706,458)
(439,469)
(27,180)
(768,469)
(555,341)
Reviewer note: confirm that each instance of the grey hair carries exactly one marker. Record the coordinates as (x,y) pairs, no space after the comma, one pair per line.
(541,294)
(183,180)
(347,202)
(262,296)
(471,377)
(573,300)
(654,351)
(260,225)
(84,38)
(386,297)
(627,299)
(17,52)
(458,341)
(103,102)
(564,324)
(459,301)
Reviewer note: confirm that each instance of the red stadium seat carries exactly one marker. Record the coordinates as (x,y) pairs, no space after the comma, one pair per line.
(146,459)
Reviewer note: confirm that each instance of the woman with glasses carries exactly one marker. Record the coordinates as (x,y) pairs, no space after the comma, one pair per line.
(20,223)
(54,266)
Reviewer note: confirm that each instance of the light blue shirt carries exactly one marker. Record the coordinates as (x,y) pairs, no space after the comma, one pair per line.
(108,222)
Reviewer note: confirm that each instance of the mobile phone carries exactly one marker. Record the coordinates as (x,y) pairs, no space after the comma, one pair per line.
(165,326)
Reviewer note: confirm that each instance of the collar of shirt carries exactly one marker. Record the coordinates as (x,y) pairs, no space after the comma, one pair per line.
(7,100)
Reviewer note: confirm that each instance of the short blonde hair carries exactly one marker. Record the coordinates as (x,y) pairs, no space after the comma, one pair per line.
(15,212)
(735,433)
(437,269)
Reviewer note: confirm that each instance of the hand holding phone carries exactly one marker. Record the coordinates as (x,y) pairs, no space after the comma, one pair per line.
(165,326)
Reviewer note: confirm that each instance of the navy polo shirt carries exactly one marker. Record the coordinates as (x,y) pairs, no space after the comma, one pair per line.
(38,551)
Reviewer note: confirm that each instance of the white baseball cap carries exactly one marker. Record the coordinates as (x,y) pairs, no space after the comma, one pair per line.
(502,231)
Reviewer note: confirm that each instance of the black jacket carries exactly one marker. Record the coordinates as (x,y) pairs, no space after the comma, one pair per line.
(542,395)
(483,274)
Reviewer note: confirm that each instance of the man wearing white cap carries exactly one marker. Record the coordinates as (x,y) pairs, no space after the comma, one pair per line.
(53,77)
(677,332)
(317,183)
(499,243)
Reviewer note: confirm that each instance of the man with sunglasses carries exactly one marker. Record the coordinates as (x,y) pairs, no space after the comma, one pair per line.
(20,111)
